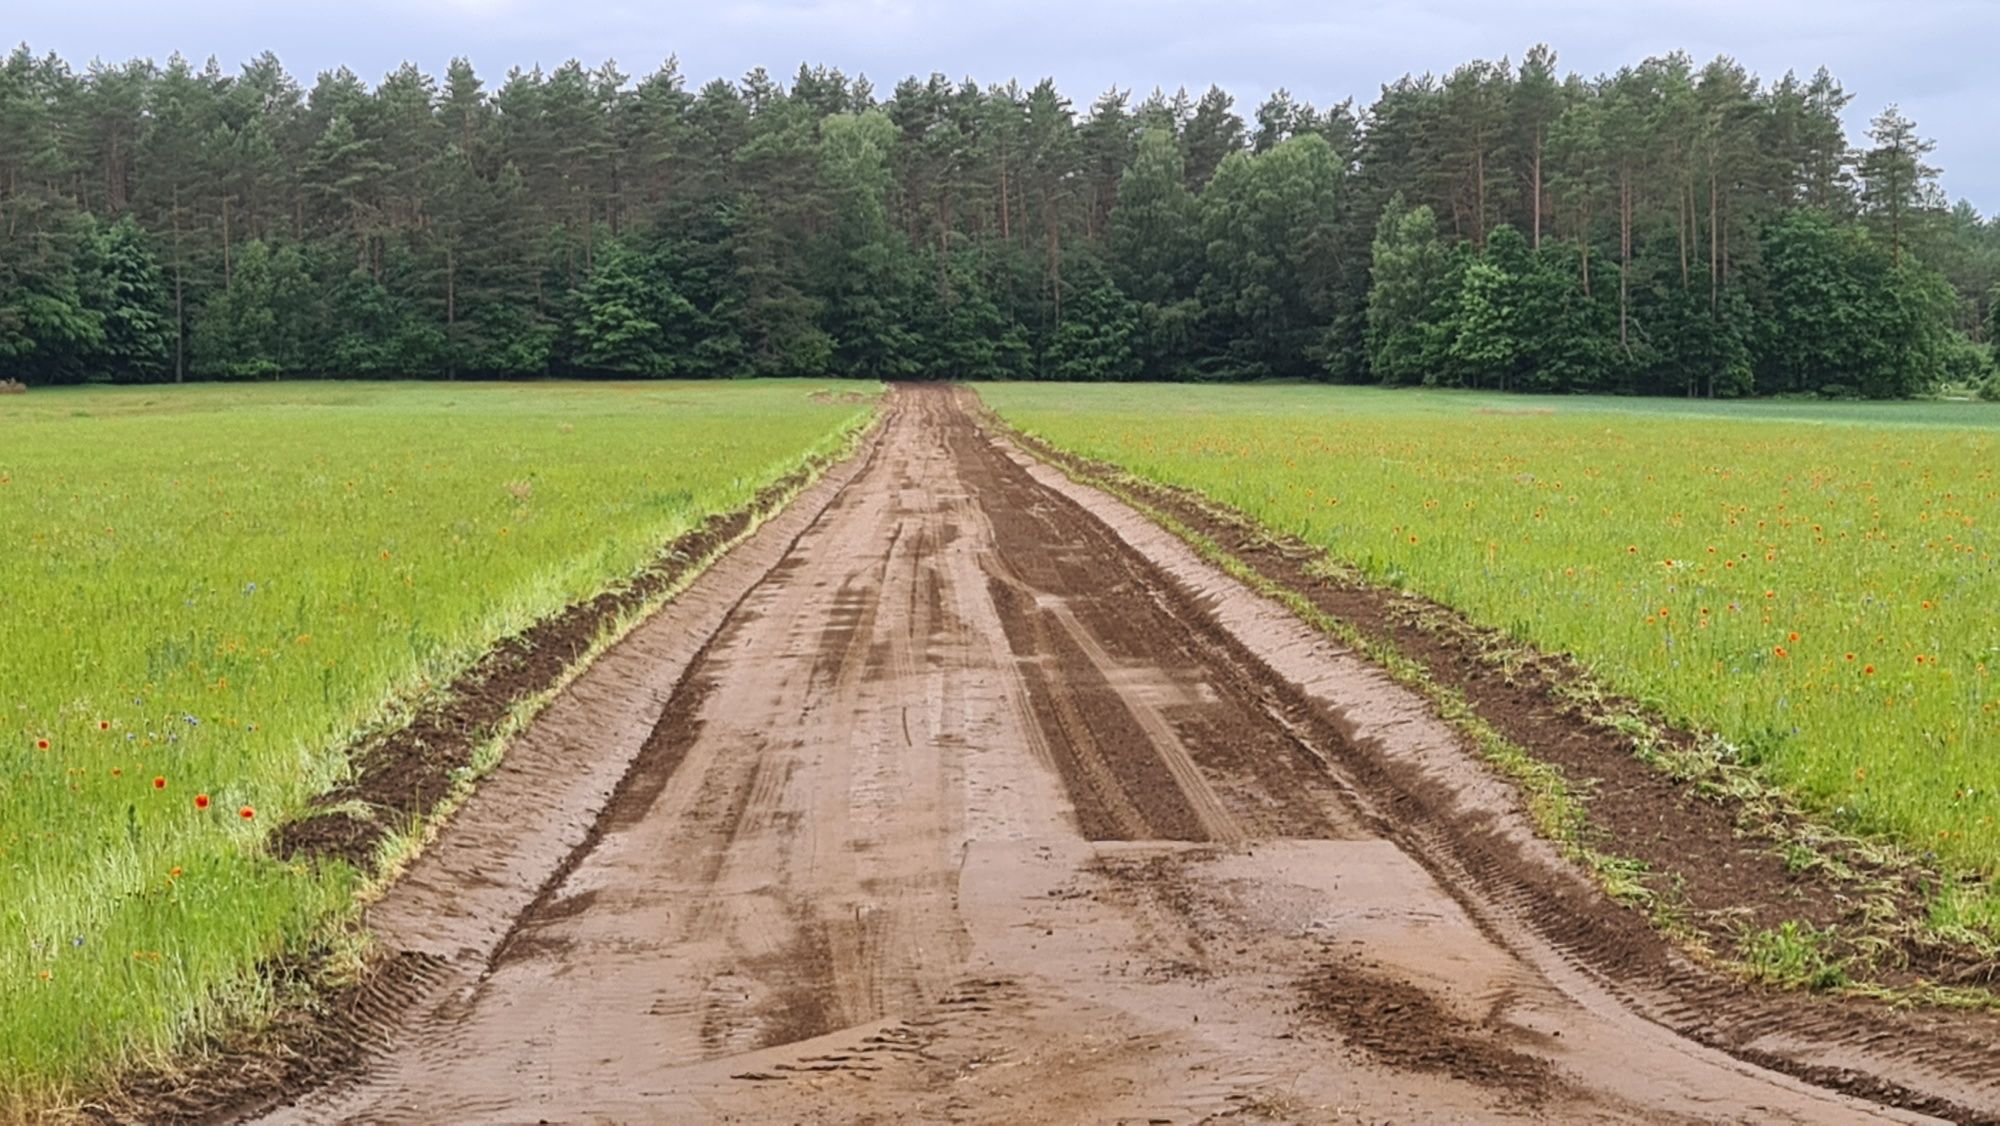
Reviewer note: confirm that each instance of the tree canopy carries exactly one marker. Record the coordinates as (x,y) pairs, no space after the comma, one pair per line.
(1666,229)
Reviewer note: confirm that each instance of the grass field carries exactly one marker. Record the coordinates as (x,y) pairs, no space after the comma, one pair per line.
(210,589)
(1819,583)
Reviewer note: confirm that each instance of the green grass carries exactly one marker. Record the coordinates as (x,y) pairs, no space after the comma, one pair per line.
(210,590)
(1818,583)
(1794,955)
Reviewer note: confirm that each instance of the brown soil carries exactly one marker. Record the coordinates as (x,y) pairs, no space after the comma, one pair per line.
(960,792)
(1721,863)
(843,398)
(401,777)
(1406,1028)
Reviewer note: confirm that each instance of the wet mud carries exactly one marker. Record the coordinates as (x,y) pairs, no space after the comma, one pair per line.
(961,793)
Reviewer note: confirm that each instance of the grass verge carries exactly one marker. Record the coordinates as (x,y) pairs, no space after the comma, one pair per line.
(1669,821)
(326,554)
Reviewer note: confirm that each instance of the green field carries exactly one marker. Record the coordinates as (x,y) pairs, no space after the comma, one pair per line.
(209,591)
(1818,583)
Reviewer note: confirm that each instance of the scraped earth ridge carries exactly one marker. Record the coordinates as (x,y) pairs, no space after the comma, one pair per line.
(961,793)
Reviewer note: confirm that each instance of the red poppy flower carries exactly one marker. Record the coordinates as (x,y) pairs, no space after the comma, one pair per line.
(159,782)
(246,813)
(41,744)
(201,801)
(104,725)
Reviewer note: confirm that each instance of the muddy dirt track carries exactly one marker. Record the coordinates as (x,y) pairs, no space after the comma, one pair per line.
(961,794)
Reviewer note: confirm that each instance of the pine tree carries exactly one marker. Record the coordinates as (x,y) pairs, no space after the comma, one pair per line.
(1213,133)
(172,218)
(1898,188)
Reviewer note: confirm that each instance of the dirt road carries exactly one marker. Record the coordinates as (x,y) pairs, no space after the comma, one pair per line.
(964,798)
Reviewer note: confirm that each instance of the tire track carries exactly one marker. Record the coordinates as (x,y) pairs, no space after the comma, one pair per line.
(966,811)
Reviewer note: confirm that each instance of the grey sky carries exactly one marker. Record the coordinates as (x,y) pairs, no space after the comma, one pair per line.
(1935,57)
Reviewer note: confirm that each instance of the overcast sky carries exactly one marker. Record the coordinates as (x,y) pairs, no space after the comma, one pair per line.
(1935,57)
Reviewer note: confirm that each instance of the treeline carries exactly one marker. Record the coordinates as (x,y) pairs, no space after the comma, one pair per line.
(1668,229)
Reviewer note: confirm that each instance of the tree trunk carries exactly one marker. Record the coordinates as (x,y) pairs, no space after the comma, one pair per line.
(1055,251)
(1479,196)
(1684,220)
(451,312)
(1722,258)
(1006,228)
(180,300)
(1625,257)
(1714,242)
(114,186)
(1585,254)
(1896,233)
(945,210)
(1895,222)
(614,202)
(1538,187)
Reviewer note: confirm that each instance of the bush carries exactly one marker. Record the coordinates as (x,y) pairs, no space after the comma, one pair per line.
(1967,363)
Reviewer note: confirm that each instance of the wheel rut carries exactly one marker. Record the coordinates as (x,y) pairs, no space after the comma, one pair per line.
(963,809)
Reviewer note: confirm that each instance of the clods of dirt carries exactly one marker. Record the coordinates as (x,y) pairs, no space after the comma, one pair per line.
(1407,1028)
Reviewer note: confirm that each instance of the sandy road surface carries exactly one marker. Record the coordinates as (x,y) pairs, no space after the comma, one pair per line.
(952,805)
